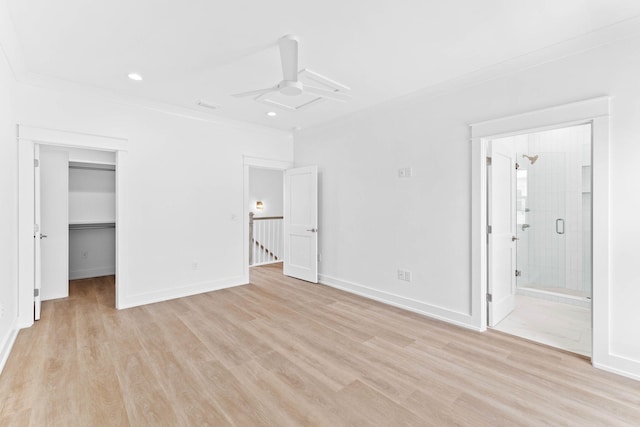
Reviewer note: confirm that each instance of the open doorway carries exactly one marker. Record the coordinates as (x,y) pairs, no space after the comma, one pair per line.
(299,223)
(265,216)
(539,212)
(30,138)
(75,210)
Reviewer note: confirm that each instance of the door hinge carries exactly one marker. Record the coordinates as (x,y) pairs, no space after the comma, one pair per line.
(36,292)
(488,161)
(489,229)
(489,298)
(518,273)
(36,163)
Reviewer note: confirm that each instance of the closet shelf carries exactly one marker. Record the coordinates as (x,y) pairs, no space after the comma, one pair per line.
(91,225)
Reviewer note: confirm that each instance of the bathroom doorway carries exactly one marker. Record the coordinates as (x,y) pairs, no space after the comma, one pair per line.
(548,297)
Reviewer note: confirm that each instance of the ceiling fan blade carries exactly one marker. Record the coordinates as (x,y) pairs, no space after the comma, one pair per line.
(255,92)
(289,57)
(329,94)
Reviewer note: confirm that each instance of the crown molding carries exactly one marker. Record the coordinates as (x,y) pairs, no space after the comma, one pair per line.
(610,34)
(9,44)
(70,87)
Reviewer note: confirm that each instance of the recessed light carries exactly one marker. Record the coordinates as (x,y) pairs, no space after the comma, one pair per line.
(272,114)
(135,76)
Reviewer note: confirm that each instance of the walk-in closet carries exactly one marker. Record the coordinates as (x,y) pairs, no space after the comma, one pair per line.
(91,220)
(76,206)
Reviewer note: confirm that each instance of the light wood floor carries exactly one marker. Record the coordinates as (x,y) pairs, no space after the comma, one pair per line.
(283,352)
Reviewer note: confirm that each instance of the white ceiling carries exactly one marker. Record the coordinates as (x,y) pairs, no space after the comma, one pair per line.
(203,49)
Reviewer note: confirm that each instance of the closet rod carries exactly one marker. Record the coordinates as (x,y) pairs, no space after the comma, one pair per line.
(96,226)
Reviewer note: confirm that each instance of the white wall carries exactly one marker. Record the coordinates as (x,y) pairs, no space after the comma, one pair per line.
(266,185)
(184,188)
(92,195)
(92,253)
(8,211)
(373,222)
(91,156)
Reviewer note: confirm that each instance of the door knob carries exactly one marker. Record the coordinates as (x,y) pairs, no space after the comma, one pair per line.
(313,230)
(43,236)
(514,238)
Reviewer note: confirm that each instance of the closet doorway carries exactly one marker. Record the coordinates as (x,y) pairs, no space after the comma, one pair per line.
(75,209)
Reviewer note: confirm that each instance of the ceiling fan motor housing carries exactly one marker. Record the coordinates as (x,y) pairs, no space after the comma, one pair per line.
(287,87)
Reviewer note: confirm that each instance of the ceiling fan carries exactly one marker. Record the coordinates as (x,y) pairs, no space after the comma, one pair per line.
(290,85)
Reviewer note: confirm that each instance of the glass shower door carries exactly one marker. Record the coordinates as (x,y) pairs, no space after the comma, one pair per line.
(541,222)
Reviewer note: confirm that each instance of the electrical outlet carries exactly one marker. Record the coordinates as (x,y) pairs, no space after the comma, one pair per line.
(84,254)
(405,173)
(194,265)
(404,275)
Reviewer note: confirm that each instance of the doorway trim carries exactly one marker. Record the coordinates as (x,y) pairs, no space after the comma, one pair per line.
(596,112)
(27,137)
(248,162)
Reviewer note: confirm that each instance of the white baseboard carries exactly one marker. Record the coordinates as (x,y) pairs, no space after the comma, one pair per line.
(619,365)
(93,272)
(7,345)
(267,263)
(440,313)
(128,301)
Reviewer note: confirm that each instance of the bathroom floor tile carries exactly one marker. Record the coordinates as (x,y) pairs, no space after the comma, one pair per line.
(564,326)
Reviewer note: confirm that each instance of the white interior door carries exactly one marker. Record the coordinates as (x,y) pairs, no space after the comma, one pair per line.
(502,222)
(301,223)
(52,184)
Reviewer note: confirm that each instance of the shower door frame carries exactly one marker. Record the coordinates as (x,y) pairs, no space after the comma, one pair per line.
(594,112)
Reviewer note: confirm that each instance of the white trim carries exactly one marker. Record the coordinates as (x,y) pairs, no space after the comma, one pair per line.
(64,138)
(259,162)
(7,344)
(28,136)
(267,263)
(181,292)
(620,365)
(429,310)
(92,272)
(266,163)
(595,111)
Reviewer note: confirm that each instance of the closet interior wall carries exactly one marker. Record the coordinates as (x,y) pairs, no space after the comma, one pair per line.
(91,216)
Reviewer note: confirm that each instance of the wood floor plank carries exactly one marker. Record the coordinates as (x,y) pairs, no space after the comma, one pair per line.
(284,352)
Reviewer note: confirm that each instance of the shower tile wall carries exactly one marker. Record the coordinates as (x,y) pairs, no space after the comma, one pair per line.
(557,187)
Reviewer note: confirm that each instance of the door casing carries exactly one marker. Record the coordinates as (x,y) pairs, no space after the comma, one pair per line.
(28,137)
